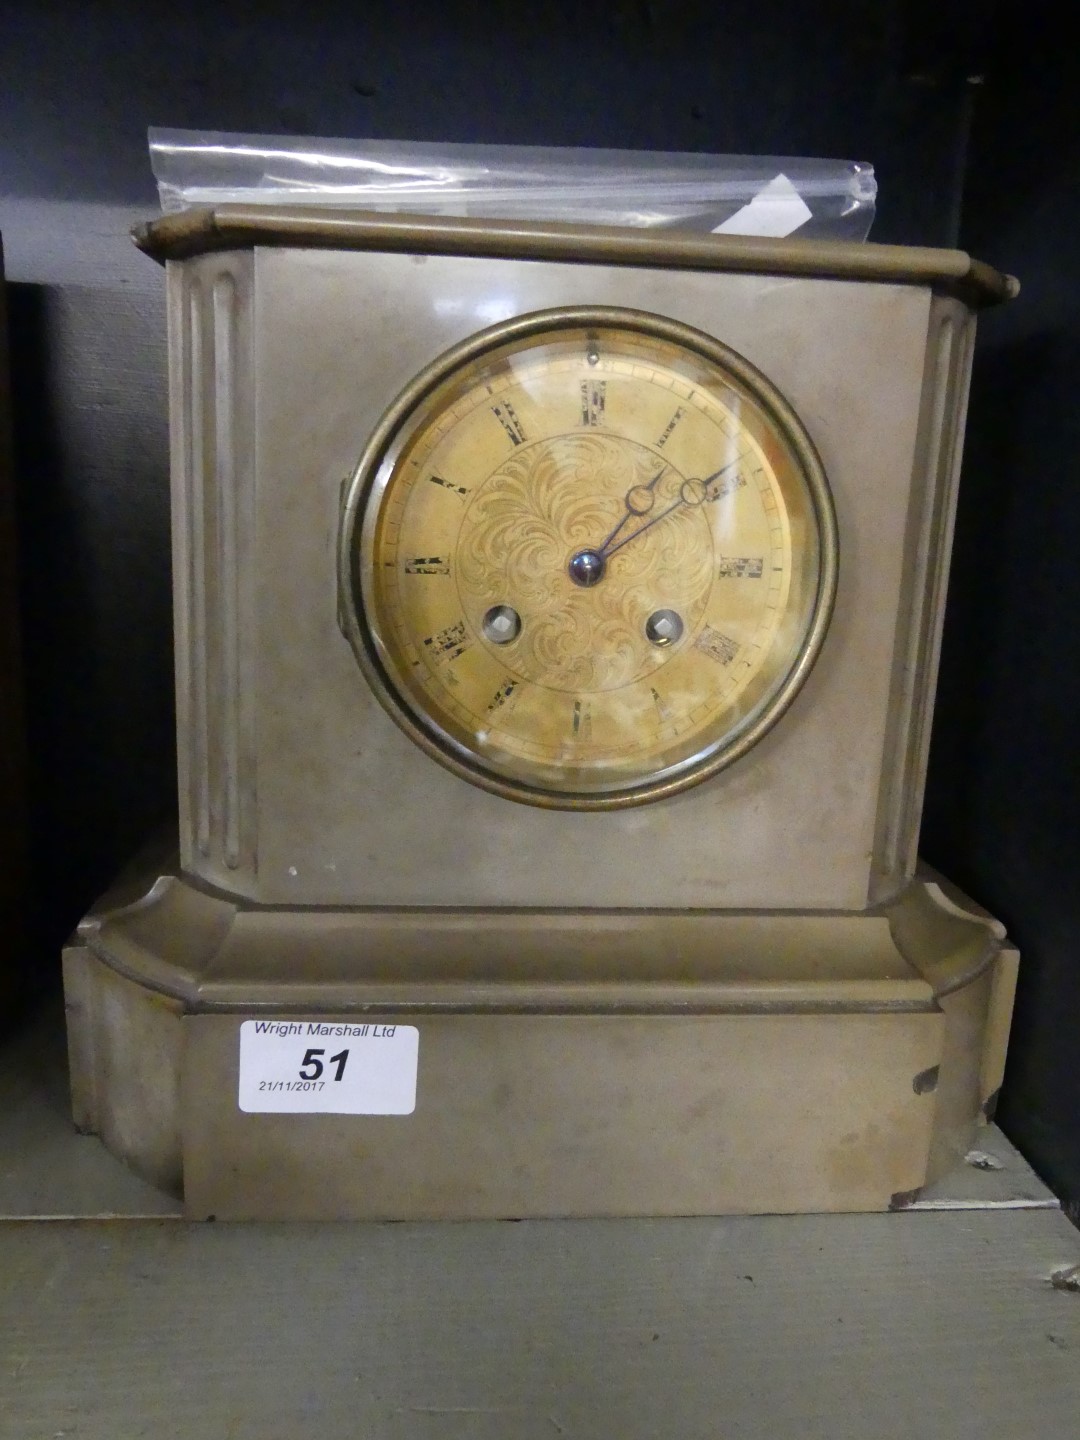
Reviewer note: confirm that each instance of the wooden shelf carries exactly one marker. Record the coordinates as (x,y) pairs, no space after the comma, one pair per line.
(944,1320)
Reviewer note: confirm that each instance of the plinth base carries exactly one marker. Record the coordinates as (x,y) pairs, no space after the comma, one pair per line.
(570,1063)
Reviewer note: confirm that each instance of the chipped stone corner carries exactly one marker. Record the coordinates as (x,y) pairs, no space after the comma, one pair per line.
(904,1199)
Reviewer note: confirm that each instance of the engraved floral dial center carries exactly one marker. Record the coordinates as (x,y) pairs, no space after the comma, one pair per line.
(583,617)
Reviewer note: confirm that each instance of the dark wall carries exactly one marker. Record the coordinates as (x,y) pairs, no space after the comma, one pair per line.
(1003,799)
(910,86)
(838,77)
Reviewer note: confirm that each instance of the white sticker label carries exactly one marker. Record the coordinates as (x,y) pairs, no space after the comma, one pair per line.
(776,210)
(315,1067)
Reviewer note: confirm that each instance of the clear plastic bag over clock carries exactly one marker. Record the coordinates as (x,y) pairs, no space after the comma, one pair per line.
(727,194)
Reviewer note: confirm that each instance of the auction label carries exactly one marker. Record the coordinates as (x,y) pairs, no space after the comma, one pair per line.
(317,1067)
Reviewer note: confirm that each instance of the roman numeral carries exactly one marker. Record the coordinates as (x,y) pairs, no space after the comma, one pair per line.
(739,567)
(506,417)
(724,485)
(501,696)
(448,643)
(669,427)
(720,648)
(581,723)
(447,485)
(593,402)
(432,565)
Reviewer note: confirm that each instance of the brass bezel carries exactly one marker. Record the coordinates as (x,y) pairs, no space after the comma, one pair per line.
(364,478)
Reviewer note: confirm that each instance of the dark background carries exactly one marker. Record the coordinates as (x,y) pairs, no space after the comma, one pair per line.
(967,112)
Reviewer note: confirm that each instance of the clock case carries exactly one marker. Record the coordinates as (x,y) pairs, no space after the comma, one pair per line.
(744,997)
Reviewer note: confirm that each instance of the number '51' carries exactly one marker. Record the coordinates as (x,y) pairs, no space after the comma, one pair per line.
(312,1066)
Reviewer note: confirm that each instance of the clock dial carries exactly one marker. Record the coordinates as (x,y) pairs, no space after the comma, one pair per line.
(588,558)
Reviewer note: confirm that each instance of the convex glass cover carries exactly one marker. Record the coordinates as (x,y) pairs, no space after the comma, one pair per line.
(588,558)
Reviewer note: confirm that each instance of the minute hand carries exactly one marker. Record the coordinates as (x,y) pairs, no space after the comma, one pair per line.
(608,549)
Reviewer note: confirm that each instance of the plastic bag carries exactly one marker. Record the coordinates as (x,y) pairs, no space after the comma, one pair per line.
(734,194)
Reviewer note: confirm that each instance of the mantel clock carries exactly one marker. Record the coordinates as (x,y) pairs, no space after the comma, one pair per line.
(557,620)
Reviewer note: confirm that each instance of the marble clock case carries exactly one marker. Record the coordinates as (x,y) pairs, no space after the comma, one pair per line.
(743,997)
